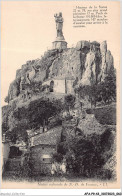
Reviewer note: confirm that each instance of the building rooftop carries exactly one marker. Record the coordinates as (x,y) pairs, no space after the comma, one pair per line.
(59,78)
(50,137)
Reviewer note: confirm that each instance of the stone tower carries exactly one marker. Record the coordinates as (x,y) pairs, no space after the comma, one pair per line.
(60,42)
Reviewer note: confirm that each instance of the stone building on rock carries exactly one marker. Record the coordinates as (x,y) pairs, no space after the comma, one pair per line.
(42,148)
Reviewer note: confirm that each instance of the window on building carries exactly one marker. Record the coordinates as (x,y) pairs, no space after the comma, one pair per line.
(43,148)
(43,159)
(51,86)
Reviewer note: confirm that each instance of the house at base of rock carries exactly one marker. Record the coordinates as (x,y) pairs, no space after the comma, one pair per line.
(61,85)
(42,148)
(5,151)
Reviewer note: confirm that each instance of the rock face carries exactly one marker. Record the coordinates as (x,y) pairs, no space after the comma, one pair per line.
(14,89)
(81,45)
(107,64)
(68,64)
(90,75)
(103,47)
(90,125)
(99,63)
(5,112)
(87,64)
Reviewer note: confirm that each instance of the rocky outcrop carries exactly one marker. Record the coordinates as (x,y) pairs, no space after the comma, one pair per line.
(99,63)
(103,47)
(67,65)
(5,113)
(14,89)
(88,63)
(82,45)
(90,125)
(89,75)
(107,64)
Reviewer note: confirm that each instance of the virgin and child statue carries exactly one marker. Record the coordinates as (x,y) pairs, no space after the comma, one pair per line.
(59,25)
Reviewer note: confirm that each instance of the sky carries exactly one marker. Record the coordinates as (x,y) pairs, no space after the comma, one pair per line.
(28,30)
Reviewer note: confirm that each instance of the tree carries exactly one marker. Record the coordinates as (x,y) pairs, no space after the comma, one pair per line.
(105,90)
(90,92)
(69,101)
(57,157)
(35,87)
(86,155)
(33,116)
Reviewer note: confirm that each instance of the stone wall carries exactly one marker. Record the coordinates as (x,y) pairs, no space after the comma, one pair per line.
(5,153)
(39,163)
(59,45)
(69,86)
(42,149)
(59,86)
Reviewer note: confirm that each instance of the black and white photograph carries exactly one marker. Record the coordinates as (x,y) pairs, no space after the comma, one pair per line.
(60,77)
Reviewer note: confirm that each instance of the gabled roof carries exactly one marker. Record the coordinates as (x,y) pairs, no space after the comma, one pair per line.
(63,77)
(50,137)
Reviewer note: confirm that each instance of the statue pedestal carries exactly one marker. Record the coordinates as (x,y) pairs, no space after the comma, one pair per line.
(61,44)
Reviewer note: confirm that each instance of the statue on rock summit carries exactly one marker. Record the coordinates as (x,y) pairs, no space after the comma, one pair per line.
(60,42)
(59,25)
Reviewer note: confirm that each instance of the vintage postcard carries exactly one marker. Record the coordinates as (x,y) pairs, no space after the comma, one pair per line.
(60,87)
